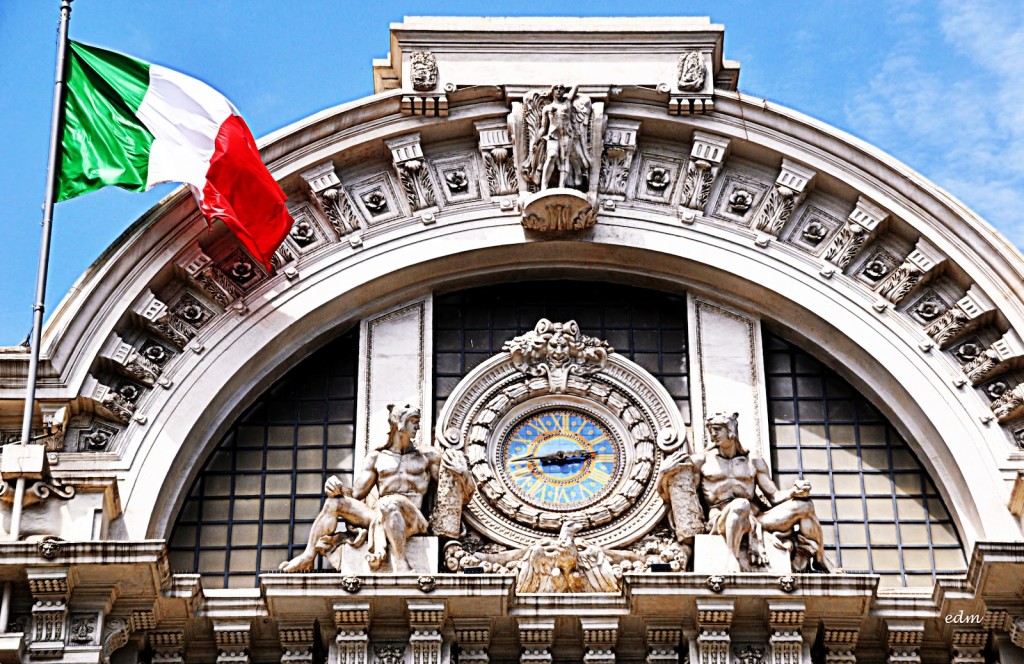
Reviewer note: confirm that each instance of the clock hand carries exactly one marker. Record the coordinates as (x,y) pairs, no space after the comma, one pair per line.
(556,457)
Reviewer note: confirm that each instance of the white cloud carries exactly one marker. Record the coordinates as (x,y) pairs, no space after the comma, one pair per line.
(962,123)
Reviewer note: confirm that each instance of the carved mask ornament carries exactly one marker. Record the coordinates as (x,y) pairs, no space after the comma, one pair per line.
(423,65)
(691,71)
(556,350)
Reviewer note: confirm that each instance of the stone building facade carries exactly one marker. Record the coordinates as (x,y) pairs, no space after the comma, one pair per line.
(574,354)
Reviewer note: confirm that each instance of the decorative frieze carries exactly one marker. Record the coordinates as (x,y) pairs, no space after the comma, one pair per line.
(535,638)
(995,359)
(407,155)
(714,620)
(496,151)
(903,640)
(663,642)
(599,638)
(620,141)
(706,157)
(473,636)
(352,619)
(426,618)
(791,187)
(924,262)
(969,312)
(865,222)
(785,620)
(328,196)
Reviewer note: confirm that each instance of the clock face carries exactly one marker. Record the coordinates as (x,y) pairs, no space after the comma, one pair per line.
(560,459)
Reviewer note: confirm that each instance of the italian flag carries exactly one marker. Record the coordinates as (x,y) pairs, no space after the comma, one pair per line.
(132,124)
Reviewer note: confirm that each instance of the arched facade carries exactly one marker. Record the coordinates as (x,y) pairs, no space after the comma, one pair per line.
(767,230)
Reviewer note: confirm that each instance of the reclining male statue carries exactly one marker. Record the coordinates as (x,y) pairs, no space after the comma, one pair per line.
(728,478)
(402,472)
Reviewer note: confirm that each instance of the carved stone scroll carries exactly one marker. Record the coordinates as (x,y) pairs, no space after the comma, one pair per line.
(923,263)
(620,139)
(328,196)
(714,621)
(786,621)
(352,620)
(706,157)
(412,170)
(791,187)
(969,312)
(496,151)
(863,224)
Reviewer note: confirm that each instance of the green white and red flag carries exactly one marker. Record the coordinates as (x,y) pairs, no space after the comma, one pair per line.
(134,125)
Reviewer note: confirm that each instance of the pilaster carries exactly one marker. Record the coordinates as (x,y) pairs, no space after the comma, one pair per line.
(50,587)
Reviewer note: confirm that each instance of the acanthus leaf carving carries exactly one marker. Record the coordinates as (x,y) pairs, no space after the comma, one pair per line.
(620,142)
(791,186)
(412,171)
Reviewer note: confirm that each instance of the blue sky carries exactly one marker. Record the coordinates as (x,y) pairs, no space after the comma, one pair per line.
(939,85)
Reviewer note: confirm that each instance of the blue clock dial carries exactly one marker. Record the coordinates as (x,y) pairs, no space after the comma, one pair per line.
(561,459)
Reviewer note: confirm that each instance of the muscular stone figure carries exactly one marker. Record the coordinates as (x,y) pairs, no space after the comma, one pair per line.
(728,476)
(555,145)
(402,473)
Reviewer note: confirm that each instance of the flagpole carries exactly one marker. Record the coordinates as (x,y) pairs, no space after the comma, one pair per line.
(52,169)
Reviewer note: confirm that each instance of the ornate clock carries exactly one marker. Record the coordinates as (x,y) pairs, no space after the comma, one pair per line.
(560,459)
(559,427)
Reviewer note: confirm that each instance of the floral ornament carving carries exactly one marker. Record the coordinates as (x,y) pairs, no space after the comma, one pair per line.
(557,350)
(456,180)
(423,67)
(691,71)
(982,366)
(658,178)
(740,201)
(83,628)
(846,245)
(875,270)
(620,140)
(777,210)
(1008,403)
(97,439)
(376,202)
(302,232)
(339,210)
(968,351)
(500,170)
(814,232)
(929,310)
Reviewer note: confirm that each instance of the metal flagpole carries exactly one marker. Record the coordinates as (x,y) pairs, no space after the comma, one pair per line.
(52,170)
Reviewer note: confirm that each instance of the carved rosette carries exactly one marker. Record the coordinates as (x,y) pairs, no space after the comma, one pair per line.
(792,185)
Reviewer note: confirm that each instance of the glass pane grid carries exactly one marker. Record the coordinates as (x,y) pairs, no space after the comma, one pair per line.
(648,327)
(880,511)
(239,517)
